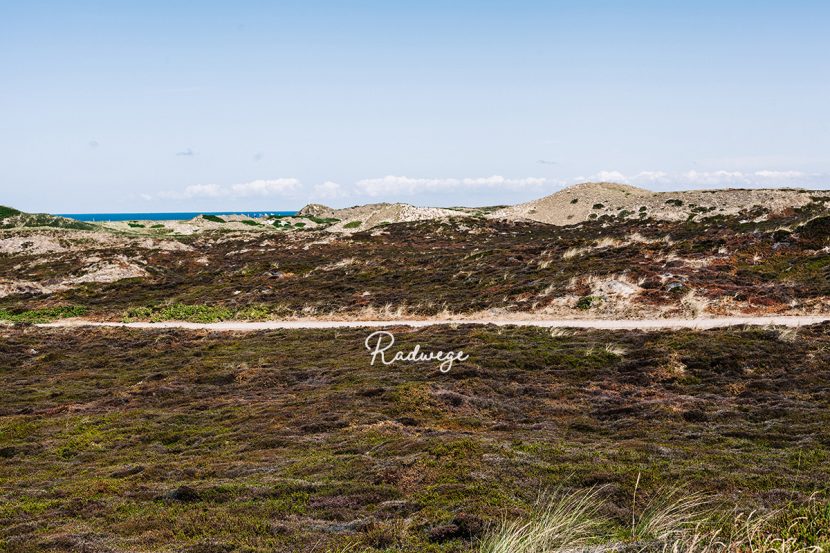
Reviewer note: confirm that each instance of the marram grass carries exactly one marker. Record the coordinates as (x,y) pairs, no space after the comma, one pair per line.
(673,521)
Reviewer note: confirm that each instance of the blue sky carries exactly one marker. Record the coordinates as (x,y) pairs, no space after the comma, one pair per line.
(164,106)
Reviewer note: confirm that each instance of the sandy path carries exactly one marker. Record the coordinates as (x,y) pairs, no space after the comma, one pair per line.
(618,324)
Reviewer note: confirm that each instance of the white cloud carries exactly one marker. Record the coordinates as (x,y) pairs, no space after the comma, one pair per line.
(394,188)
(264,187)
(763,177)
(196,191)
(652,177)
(720,178)
(261,187)
(608,176)
(497,181)
(392,184)
(781,174)
(328,190)
(714,178)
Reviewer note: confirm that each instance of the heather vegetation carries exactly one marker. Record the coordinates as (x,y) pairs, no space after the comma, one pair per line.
(605,267)
(164,440)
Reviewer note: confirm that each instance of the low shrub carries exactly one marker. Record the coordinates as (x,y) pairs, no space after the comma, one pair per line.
(42,315)
(587,302)
(179,312)
(7,212)
(322,220)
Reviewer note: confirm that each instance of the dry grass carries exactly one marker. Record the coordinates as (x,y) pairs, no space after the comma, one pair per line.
(671,513)
(788,334)
(558,523)
(614,349)
(745,534)
(673,521)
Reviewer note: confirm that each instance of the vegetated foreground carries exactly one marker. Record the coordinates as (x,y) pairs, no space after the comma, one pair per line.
(124,440)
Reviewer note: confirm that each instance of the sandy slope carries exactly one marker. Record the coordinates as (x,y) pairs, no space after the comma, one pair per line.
(582,202)
(611,324)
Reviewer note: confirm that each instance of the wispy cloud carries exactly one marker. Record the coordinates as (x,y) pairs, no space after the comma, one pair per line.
(195,191)
(402,188)
(186,153)
(719,178)
(407,185)
(261,187)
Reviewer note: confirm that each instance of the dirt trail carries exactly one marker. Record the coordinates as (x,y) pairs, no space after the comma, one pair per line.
(609,324)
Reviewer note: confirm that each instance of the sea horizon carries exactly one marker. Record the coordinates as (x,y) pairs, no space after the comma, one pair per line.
(164,216)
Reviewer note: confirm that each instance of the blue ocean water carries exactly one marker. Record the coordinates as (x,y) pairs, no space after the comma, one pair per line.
(179,216)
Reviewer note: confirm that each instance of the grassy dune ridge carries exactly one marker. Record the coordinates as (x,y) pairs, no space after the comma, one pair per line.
(606,267)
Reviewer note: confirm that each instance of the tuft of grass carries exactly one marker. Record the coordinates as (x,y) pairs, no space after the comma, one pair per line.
(748,533)
(557,523)
(353,224)
(673,521)
(672,511)
(213,219)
